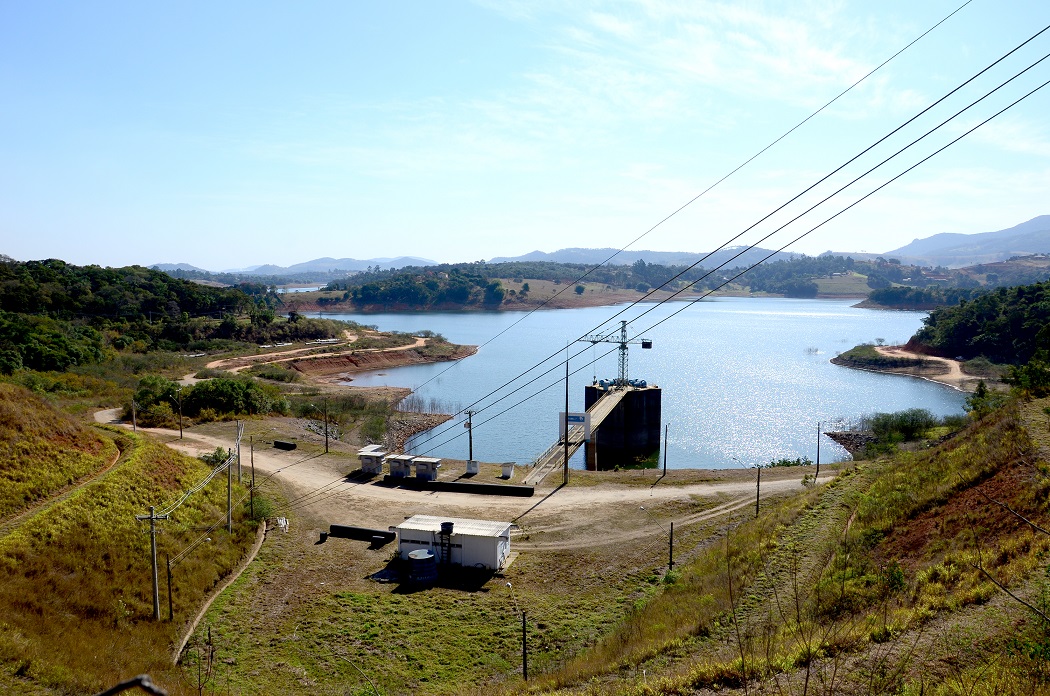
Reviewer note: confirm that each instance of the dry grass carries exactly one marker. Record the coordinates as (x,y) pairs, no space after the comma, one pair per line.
(75,585)
(42,450)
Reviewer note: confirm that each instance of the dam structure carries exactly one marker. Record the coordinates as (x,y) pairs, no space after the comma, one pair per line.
(629,429)
(621,423)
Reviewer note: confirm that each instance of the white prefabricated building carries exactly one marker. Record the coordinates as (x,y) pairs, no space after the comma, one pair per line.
(474,543)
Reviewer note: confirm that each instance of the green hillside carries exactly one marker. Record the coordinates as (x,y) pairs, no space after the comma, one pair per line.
(42,450)
(75,583)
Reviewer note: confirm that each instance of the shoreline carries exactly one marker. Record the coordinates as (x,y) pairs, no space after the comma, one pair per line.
(610,299)
(945,371)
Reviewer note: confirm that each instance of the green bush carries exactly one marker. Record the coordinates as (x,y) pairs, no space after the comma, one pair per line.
(238,395)
(901,426)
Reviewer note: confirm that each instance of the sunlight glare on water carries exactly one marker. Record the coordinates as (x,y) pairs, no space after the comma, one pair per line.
(744,379)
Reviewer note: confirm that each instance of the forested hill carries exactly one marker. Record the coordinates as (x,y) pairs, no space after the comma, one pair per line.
(1008,325)
(481,284)
(54,314)
(61,290)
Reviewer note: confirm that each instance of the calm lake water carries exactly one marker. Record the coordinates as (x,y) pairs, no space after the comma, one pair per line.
(744,380)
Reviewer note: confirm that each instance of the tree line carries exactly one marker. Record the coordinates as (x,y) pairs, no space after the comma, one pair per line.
(54,314)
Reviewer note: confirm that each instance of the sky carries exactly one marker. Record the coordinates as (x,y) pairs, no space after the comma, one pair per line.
(233,134)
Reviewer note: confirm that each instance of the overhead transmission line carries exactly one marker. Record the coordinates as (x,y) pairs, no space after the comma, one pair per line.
(769,215)
(177,558)
(766,217)
(331,488)
(694,199)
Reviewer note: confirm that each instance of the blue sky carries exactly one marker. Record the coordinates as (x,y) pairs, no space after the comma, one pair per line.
(239,133)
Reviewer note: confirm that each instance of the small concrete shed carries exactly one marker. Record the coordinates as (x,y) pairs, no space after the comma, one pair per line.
(471,544)
(426,468)
(400,464)
(371,458)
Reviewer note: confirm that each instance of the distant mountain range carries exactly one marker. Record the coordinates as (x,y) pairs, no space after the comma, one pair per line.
(323,265)
(664,258)
(958,250)
(947,249)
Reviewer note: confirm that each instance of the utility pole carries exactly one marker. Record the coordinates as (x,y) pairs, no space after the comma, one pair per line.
(134,417)
(179,392)
(666,425)
(326,425)
(818,455)
(565,479)
(229,491)
(758,488)
(240,430)
(670,549)
(153,517)
(251,491)
(470,436)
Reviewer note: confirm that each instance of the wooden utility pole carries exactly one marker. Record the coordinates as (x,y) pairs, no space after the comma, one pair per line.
(134,417)
(326,425)
(251,491)
(565,479)
(229,491)
(179,392)
(665,447)
(670,550)
(758,488)
(818,455)
(153,517)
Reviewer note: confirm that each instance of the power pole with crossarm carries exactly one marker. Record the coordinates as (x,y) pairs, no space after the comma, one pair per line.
(153,517)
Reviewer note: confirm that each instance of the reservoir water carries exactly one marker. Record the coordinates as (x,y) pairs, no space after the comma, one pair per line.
(745,380)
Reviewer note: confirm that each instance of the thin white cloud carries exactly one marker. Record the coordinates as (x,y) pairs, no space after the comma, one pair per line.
(1016,134)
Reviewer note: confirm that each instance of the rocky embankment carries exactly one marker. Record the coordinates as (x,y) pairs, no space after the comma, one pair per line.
(405,425)
(851,441)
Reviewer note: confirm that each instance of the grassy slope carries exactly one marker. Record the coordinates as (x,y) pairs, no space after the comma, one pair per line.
(305,609)
(825,588)
(42,450)
(75,586)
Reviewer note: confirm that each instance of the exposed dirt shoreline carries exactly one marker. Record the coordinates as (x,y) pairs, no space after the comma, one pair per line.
(929,367)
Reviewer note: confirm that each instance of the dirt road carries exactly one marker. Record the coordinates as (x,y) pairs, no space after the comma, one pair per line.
(317,489)
(954,377)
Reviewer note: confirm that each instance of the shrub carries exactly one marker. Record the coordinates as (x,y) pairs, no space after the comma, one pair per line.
(158,415)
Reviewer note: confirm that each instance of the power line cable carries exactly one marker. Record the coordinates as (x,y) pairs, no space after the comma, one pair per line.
(796,239)
(769,215)
(766,237)
(704,192)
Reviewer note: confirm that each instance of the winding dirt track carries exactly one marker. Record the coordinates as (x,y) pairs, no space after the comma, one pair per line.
(317,486)
(954,376)
(243,362)
(11,523)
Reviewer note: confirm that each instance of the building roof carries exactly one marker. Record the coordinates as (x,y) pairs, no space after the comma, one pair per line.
(461,526)
(400,457)
(427,460)
(371,449)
